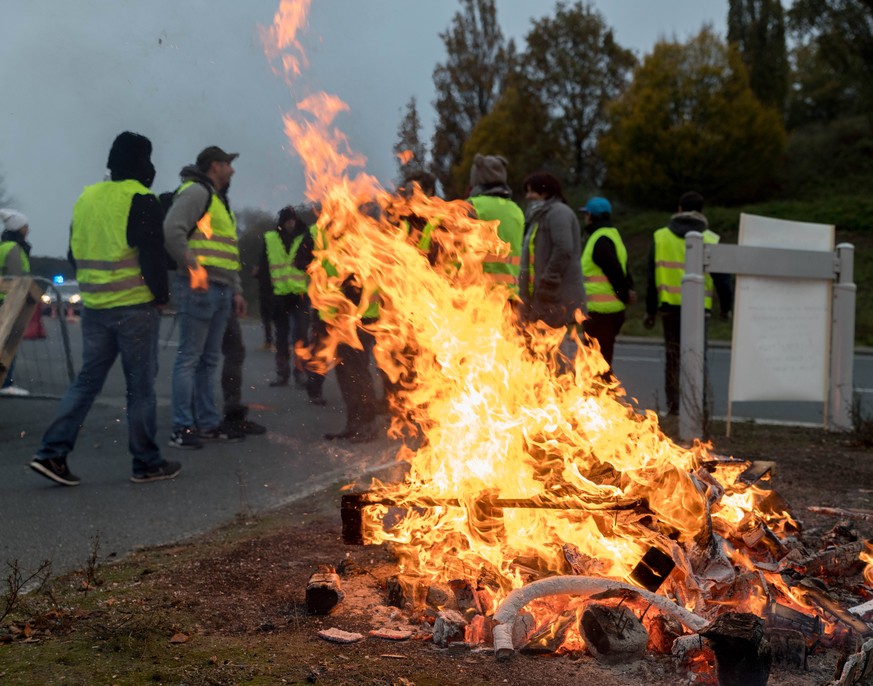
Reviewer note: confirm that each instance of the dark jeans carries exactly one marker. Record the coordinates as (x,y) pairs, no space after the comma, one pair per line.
(604,327)
(287,309)
(234,351)
(131,332)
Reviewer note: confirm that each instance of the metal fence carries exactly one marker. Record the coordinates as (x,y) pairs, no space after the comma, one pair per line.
(44,361)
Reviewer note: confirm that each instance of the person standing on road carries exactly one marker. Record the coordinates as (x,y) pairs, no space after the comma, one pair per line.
(285,262)
(666,266)
(14,261)
(609,286)
(117,249)
(200,235)
(550,277)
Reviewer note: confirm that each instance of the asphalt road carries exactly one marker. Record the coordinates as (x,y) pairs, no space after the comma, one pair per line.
(40,521)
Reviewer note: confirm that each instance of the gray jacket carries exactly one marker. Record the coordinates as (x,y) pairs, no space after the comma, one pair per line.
(558,289)
(183,215)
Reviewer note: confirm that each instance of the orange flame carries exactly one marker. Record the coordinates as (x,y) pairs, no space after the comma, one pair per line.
(525,453)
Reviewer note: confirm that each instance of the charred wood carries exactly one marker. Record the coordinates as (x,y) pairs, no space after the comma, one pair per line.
(323,593)
(788,647)
(449,628)
(613,634)
(742,653)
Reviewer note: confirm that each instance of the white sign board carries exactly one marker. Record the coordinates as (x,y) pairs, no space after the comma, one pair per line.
(782,327)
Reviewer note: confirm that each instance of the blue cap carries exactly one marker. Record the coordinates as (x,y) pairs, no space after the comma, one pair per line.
(597,205)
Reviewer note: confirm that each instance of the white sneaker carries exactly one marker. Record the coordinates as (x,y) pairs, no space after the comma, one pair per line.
(14,391)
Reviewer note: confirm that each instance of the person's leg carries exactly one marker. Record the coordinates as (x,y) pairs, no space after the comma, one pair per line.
(281,313)
(356,386)
(194,315)
(265,308)
(299,311)
(99,350)
(136,330)
(218,306)
(671,321)
(314,378)
(9,381)
(234,351)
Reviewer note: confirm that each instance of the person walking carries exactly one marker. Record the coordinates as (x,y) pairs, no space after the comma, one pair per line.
(666,267)
(200,234)
(14,261)
(608,284)
(117,250)
(287,271)
(491,199)
(550,275)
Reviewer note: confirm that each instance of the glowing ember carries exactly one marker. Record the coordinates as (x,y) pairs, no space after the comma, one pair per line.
(524,456)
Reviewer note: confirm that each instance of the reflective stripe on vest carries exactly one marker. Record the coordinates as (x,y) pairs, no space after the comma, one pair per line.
(502,269)
(285,277)
(215,246)
(107,268)
(670,266)
(598,291)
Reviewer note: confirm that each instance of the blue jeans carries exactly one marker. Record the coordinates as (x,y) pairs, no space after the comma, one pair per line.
(202,320)
(132,332)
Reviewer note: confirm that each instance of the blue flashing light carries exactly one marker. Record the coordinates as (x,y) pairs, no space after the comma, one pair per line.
(58,279)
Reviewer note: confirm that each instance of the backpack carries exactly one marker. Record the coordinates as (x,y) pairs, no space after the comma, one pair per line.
(166,199)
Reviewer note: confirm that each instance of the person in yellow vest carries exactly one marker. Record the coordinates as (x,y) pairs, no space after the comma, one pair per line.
(491,199)
(666,266)
(284,258)
(116,247)
(14,261)
(609,287)
(207,291)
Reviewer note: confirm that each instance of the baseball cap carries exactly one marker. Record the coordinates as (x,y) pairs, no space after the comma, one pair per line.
(214,154)
(597,205)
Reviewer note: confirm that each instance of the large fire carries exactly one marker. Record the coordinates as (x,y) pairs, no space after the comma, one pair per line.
(529,465)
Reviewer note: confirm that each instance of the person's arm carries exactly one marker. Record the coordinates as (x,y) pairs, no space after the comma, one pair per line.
(606,258)
(184,213)
(561,225)
(145,233)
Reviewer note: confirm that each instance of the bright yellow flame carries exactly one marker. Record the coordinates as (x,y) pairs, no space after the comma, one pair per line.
(524,453)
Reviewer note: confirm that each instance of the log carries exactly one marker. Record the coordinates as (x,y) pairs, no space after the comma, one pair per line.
(842,560)
(788,647)
(323,593)
(613,635)
(466,598)
(549,638)
(449,628)
(504,618)
(742,653)
(848,513)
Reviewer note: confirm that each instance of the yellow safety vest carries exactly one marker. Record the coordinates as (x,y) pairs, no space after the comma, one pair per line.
(320,238)
(5,249)
(285,277)
(107,268)
(598,291)
(670,266)
(502,269)
(221,249)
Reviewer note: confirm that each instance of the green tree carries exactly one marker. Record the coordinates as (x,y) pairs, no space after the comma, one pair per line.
(690,121)
(843,30)
(468,84)
(757,27)
(518,128)
(409,143)
(820,93)
(575,67)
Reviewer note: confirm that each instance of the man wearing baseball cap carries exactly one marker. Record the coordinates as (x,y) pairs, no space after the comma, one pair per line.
(608,284)
(200,235)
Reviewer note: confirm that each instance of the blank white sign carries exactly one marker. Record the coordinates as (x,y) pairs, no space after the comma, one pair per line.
(782,327)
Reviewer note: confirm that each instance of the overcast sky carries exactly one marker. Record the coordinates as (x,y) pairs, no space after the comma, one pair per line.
(192,73)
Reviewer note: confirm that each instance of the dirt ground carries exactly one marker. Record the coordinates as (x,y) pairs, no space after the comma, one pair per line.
(229,608)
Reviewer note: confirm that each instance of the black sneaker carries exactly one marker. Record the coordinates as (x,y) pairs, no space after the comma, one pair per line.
(54,468)
(168,470)
(185,439)
(223,433)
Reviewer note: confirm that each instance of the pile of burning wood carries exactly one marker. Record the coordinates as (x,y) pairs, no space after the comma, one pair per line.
(574,608)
